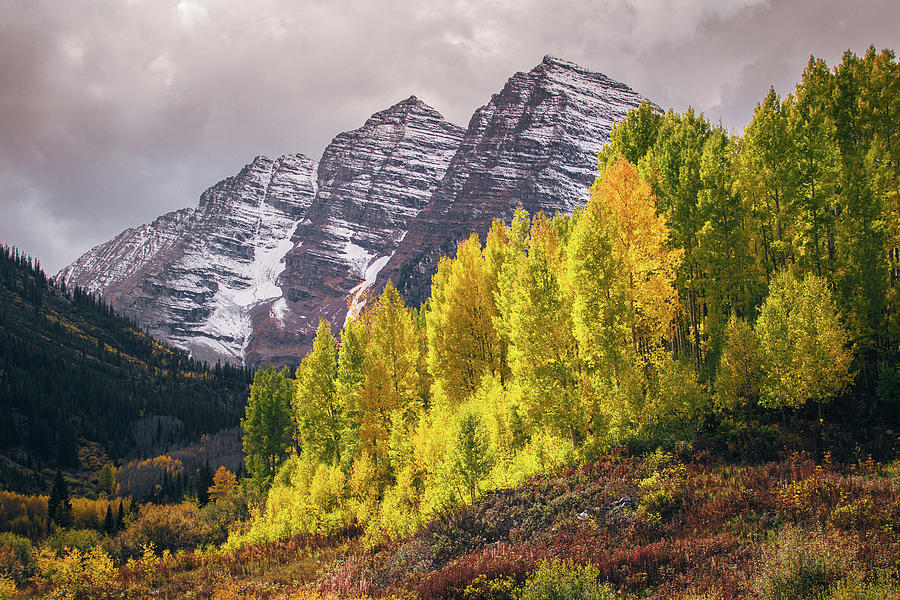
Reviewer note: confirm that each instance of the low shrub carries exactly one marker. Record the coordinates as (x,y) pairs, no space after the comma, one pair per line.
(63,540)
(555,580)
(168,527)
(16,561)
(76,574)
(149,567)
(496,588)
(810,498)
(662,491)
(802,565)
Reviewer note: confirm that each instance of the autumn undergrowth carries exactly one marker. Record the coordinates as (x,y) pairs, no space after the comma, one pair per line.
(622,526)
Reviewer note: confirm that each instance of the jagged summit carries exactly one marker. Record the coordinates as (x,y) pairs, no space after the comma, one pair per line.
(411,107)
(247,275)
(551,62)
(535,144)
(372,182)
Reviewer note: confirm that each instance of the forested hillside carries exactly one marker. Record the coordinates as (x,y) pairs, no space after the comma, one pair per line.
(79,383)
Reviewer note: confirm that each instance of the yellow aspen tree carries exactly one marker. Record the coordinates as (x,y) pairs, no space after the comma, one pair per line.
(318,410)
(543,353)
(621,270)
(224,483)
(463,344)
(390,374)
(804,346)
(620,262)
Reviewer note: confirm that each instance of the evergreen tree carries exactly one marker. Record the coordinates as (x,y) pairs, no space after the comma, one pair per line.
(204,480)
(120,516)
(109,523)
(59,507)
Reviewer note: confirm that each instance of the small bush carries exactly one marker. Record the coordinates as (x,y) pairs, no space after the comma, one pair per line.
(662,491)
(800,566)
(76,574)
(149,567)
(809,498)
(168,527)
(64,539)
(16,560)
(555,580)
(496,588)
(858,514)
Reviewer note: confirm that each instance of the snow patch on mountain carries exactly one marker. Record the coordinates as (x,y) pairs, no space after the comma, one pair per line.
(357,296)
(230,324)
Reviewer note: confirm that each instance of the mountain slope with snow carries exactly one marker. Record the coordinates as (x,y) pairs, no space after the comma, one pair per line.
(247,275)
(534,144)
(371,183)
(196,277)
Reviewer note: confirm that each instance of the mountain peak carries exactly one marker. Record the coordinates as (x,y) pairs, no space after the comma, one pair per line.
(555,67)
(404,108)
(534,144)
(554,61)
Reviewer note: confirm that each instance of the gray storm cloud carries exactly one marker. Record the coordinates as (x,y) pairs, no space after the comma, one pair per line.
(115,111)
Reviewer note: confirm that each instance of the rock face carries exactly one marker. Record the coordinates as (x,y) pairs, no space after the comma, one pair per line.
(371,183)
(535,144)
(248,274)
(199,278)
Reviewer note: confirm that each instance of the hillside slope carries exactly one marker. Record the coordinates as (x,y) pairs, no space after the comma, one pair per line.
(80,384)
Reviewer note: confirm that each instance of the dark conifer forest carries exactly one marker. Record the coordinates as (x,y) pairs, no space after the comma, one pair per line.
(73,374)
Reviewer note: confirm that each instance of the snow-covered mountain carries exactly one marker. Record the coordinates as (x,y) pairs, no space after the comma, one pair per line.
(534,144)
(371,183)
(247,275)
(198,277)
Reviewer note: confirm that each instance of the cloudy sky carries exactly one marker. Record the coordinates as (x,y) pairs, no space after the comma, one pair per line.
(113,112)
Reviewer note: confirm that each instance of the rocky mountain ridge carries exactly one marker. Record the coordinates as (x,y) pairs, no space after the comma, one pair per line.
(246,275)
(534,144)
(197,277)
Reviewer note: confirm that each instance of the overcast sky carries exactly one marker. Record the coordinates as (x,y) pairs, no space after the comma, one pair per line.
(113,112)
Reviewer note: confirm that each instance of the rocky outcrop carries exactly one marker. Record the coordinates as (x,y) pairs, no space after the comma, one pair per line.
(371,183)
(534,144)
(198,277)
